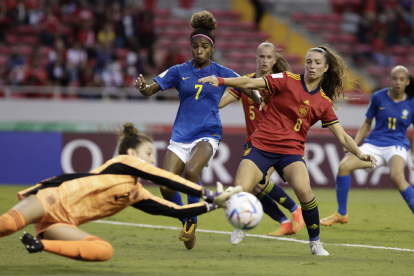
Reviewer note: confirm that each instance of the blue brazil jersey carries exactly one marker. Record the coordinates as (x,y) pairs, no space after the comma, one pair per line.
(198,113)
(391,120)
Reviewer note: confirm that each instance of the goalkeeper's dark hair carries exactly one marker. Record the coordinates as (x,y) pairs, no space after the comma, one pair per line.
(131,138)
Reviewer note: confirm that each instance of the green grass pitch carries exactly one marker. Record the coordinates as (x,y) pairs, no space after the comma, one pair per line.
(377,218)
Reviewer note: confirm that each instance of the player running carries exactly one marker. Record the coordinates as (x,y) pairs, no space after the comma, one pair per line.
(197,128)
(393,110)
(268,61)
(57,206)
(296,103)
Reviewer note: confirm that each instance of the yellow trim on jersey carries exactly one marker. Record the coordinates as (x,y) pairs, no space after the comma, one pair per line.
(326,97)
(293,76)
(249,75)
(235,95)
(330,123)
(267,85)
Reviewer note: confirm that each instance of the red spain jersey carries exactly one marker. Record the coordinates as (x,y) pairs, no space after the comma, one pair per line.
(252,114)
(292,111)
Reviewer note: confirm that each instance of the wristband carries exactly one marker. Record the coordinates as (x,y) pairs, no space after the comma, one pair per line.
(220,81)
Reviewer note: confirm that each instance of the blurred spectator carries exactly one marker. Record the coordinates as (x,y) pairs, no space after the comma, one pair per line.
(107,35)
(112,75)
(146,34)
(83,14)
(259,11)
(86,36)
(172,57)
(15,60)
(76,58)
(49,23)
(36,75)
(58,74)
(58,49)
(103,55)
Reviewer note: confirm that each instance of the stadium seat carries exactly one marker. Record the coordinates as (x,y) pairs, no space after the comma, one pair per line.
(121,53)
(5,50)
(374,70)
(313,27)
(298,17)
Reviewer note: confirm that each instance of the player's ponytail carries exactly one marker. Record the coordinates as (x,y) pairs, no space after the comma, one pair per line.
(203,24)
(335,80)
(281,65)
(131,138)
(409,89)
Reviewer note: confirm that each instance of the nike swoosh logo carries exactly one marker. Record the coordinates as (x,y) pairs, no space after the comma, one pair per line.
(186,78)
(382,108)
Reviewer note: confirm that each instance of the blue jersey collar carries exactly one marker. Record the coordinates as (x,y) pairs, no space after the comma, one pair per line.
(302,80)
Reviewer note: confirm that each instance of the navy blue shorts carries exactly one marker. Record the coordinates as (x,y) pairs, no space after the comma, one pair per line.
(265,160)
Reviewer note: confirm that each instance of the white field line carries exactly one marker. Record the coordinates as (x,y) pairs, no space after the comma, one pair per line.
(251,235)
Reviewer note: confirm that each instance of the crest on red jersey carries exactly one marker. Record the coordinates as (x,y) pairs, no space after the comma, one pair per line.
(303,110)
(250,101)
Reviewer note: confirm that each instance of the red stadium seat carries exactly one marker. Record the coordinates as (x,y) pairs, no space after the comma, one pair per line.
(11,39)
(316,17)
(298,17)
(3,60)
(312,27)
(344,48)
(334,18)
(399,50)
(25,50)
(292,58)
(121,53)
(375,70)
(362,48)
(28,40)
(332,28)
(5,50)
(347,38)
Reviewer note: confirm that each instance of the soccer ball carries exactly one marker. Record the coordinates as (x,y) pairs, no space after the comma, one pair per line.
(244,211)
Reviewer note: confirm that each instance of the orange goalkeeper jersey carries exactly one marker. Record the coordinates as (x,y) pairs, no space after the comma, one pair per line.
(109,189)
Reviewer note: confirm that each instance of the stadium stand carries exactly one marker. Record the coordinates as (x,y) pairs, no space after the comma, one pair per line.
(109,43)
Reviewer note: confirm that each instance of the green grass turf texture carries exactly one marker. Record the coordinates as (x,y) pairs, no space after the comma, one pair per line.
(377,217)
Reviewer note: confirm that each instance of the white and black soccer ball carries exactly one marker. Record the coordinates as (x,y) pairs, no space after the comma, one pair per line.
(244,211)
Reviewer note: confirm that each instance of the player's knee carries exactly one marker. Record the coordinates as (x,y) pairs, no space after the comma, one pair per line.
(108,252)
(100,250)
(191,173)
(344,168)
(167,193)
(304,194)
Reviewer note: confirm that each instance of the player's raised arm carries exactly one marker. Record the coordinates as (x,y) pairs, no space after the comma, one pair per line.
(240,82)
(146,90)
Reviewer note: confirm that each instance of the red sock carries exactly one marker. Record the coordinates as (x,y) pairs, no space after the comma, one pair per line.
(11,222)
(90,248)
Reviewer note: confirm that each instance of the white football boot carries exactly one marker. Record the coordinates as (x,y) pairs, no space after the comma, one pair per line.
(317,249)
(237,236)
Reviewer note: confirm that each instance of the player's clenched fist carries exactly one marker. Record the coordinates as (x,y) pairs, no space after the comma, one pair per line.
(140,83)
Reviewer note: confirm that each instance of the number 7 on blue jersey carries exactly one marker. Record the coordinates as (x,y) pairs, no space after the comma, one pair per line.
(200,87)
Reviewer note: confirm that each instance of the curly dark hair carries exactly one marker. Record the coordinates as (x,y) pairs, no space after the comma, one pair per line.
(203,23)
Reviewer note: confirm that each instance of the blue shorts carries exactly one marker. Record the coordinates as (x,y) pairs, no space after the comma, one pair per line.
(265,160)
